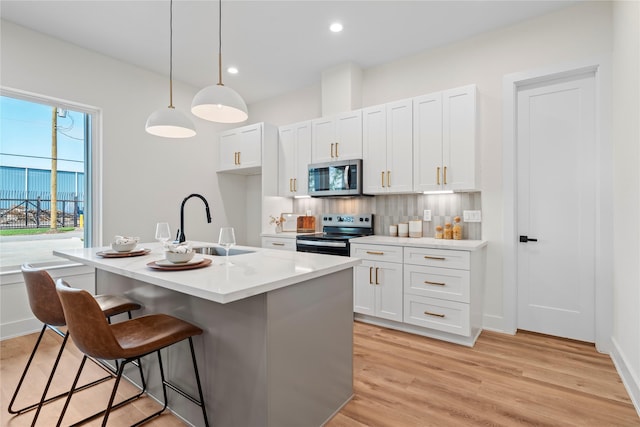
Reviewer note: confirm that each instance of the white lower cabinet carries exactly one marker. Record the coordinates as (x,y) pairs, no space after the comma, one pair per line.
(377,288)
(281,243)
(441,290)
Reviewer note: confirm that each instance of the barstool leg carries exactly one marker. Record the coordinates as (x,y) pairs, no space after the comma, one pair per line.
(195,368)
(73,387)
(113,393)
(24,374)
(53,371)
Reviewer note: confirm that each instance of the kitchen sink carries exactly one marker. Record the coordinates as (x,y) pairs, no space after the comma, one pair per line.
(219,251)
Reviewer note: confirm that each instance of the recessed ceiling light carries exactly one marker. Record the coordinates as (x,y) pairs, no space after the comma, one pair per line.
(232,70)
(336,27)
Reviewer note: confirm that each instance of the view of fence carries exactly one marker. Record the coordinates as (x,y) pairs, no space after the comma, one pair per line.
(21,209)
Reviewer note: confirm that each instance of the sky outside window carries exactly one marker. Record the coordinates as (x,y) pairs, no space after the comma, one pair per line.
(25,136)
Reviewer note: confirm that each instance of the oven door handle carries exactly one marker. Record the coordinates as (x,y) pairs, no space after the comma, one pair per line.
(321,243)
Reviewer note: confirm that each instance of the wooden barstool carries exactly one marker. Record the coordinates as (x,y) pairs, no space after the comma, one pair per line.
(46,307)
(128,340)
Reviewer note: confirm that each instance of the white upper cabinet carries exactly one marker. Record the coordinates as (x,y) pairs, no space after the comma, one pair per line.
(337,138)
(241,150)
(388,148)
(445,139)
(294,155)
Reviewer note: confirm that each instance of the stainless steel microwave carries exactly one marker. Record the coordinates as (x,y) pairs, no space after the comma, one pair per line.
(336,179)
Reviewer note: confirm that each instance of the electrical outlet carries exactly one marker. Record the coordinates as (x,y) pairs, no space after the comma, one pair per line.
(427,215)
(472,216)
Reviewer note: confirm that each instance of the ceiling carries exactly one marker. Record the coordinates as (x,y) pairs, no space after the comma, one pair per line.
(278,46)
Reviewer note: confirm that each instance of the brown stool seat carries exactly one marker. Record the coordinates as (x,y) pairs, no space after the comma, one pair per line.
(46,307)
(127,340)
(112,305)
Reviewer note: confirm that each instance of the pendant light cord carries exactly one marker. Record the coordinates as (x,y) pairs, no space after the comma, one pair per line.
(171,54)
(220,43)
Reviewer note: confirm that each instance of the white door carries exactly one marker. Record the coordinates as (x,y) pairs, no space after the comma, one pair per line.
(374,149)
(286,160)
(399,177)
(556,173)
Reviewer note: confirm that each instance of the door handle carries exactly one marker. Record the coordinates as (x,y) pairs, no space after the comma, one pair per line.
(525,239)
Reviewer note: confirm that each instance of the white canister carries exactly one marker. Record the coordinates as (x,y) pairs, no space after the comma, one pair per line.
(403,229)
(393,230)
(415,228)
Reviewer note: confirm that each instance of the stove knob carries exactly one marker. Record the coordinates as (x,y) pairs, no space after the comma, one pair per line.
(366,219)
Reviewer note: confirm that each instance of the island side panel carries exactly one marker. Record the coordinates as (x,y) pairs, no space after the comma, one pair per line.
(310,350)
(231,353)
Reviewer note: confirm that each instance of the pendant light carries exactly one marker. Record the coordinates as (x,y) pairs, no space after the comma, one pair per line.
(169,122)
(219,103)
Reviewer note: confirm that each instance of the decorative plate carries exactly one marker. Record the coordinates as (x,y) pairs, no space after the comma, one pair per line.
(110,253)
(160,265)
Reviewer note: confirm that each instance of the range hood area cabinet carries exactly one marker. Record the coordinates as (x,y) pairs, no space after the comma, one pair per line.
(240,149)
(387,148)
(445,141)
(337,138)
(294,154)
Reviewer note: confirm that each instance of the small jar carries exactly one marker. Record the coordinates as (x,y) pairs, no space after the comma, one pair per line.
(448,232)
(403,229)
(457,229)
(439,234)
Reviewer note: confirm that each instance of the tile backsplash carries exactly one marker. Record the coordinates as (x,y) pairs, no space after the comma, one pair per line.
(393,209)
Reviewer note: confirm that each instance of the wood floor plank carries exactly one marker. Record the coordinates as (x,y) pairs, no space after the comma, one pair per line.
(400,380)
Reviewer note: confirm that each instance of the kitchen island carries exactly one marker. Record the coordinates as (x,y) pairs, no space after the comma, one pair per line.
(278,331)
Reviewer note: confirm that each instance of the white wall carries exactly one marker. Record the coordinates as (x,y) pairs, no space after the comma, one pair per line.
(626,158)
(144,177)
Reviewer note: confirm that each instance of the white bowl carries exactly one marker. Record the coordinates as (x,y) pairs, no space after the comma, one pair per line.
(178,258)
(124,247)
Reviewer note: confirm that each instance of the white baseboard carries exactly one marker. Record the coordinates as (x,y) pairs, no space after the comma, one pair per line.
(494,323)
(629,378)
(19,328)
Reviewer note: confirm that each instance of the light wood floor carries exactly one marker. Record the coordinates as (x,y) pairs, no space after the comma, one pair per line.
(401,380)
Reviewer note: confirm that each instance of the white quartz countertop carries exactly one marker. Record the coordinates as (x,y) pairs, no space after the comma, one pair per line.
(251,274)
(421,242)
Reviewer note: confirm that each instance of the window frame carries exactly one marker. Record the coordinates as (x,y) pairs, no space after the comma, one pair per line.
(93,165)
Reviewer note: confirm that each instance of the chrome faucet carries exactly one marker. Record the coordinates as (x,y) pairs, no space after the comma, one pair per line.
(180,237)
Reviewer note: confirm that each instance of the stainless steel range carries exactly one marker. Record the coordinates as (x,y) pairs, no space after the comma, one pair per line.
(337,229)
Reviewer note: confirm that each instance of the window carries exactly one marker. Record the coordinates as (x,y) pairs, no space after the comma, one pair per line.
(45,179)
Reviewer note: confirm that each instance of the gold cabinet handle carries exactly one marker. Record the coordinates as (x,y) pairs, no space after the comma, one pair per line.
(332,150)
(434,283)
(388,178)
(428,313)
(370,277)
(277,244)
(377,283)
(337,155)
(445,175)
(295,184)
(239,152)
(382,179)
(434,257)
(438,175)
(375,253)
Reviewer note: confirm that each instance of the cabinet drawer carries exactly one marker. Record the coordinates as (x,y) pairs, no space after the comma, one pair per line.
(443,283)
(446,316)
(276,243)
(437,258)
(377,252)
